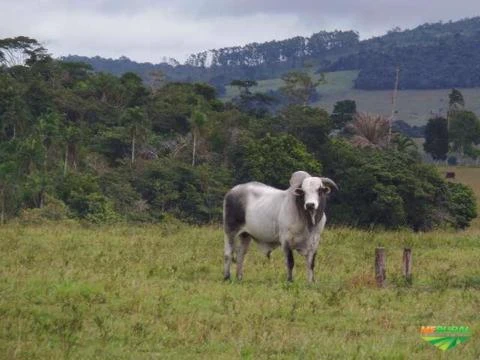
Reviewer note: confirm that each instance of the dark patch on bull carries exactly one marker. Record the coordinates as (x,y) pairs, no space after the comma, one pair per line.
(234,212)
(290,261)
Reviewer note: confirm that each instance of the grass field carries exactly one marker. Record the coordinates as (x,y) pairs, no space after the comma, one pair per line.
(156,292)
(414,106)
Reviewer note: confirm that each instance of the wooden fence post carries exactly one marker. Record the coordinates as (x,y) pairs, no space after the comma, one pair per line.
(407,264)
(380,273)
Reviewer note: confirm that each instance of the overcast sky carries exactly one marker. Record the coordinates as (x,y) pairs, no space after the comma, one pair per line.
(147,30)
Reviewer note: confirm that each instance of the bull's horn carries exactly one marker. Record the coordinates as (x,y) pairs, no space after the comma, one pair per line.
(329,182)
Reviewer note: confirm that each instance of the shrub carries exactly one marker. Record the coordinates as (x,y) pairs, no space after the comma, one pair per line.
(53,210)
(461,205)
(273,159)
(82,194)
(193,194)
(392,189)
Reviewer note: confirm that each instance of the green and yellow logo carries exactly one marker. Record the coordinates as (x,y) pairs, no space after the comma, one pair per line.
(445,337)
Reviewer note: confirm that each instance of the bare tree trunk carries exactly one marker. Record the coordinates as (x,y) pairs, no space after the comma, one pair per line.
(133,150)
(394,105)
(194,146)
(42,191)
(65,164)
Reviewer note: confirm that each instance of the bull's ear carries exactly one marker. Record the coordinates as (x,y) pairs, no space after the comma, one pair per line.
(298,177)
(299,192)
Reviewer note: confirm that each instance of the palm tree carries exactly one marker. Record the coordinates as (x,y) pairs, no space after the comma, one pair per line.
(404,143)
(369,130)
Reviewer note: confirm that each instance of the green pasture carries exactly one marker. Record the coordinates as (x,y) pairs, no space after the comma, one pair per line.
(156,292)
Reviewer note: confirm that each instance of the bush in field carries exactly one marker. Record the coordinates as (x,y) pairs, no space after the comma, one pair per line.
(461,205)
(117,186)
(392,189)
(53,210)
(193,194)
(82,194)
(273,159)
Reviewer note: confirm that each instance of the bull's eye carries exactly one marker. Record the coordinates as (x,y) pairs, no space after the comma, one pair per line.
(325,190)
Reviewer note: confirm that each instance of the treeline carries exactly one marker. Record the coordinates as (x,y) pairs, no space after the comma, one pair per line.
(449,61)
(430,56)
(100,148)
(255,61)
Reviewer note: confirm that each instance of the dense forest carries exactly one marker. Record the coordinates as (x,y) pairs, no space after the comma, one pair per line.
(430,56)
(95,147)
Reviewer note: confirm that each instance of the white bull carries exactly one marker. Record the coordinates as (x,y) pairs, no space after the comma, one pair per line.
(293,219)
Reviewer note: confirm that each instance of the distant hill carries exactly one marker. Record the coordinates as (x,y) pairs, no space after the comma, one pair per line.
(430,56)
(253,61)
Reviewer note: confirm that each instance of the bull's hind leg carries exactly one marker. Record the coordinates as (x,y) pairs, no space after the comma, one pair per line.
(228,254)
(245,240)
(233,220)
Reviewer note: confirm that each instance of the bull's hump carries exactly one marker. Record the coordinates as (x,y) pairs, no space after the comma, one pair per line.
(255,189)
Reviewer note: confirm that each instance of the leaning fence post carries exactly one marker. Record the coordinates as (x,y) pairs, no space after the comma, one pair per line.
(380,274)
(407,264)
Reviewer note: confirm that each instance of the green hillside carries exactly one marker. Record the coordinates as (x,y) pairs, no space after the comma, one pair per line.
(413,106)
(431,56)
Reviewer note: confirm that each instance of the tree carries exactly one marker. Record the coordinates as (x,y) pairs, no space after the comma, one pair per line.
(308,124)
(464,130)
(436,138)
(369,130)
(455,100)
(343,113)
(274,158)
(391,189)
(403,143)
(455,103)
(461,204)
(157,80)
(300,86)
(8,173)
(20,50)
(197,121)
(135,121)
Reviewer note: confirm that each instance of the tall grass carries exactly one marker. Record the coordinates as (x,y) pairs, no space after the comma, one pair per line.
(155,292)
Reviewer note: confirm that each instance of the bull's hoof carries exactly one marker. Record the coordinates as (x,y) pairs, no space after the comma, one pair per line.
(226,277)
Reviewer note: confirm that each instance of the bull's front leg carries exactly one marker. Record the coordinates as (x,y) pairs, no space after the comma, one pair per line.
(289,262)
(311,255)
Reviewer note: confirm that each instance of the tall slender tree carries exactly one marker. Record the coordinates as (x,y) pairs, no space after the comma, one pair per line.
(436,138)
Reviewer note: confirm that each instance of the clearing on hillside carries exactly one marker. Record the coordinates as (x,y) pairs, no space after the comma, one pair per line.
(413,106)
